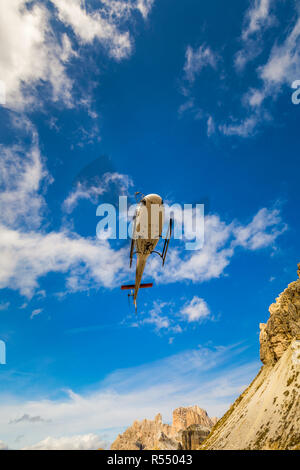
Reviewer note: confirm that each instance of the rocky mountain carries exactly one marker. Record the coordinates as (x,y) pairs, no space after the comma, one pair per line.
(185,417)
(190,426)
(267,414)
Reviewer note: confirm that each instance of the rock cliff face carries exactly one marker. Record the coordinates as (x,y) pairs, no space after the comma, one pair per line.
(185,417)
(193,436)
(190,427)
(283,324)
(267,414)
(146,435)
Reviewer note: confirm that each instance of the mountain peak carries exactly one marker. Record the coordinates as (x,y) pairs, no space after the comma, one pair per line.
(283,325)
(267,415)
(191,425)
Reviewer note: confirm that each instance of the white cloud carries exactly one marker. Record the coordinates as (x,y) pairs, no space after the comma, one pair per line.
(29,419)
(254,98)
(221,242)
(40,54)
(283,65)
(35,313)
(81,442)
(81,192)
(92,192)
(243,56)
(28,251)
(155,318)
(33,55)
(211,127)
(197,59)
(261,232)
(281,69)
(21,175)
(207,263)
(3,446)
(28,256)
(145,7)
(256,115)
(210,378)
(244,128)
(189,104)
(41,294)
(103,24)
(162,321)
(94,25)
(196,310)
(257,17)
(169,321)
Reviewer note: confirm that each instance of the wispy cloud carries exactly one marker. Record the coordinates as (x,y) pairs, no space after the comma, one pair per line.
(257,17)
(155,318)
(162,318)
(211,378)
(28,250)
(33,55)
(257,20)
(103,24)
(3,446)
(41,52)
(283,65)
(196,310)
(169,319)
(221,242)
(86,262)
(197,59)
(35,313)
(261,232)
(92,192)
(98,25)
(21,175)
(242,128)
(188,105)
(29,419)
(80,442)
(280,69)
(211,127)
(144,6)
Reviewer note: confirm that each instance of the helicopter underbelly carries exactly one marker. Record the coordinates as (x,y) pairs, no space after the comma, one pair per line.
(145,246)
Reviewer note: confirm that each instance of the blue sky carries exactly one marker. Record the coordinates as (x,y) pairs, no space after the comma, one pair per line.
(193,101)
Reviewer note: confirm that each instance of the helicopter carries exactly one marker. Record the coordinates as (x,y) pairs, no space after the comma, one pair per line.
(148,223)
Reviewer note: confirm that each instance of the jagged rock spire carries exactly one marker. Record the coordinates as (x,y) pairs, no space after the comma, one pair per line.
(283,325)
